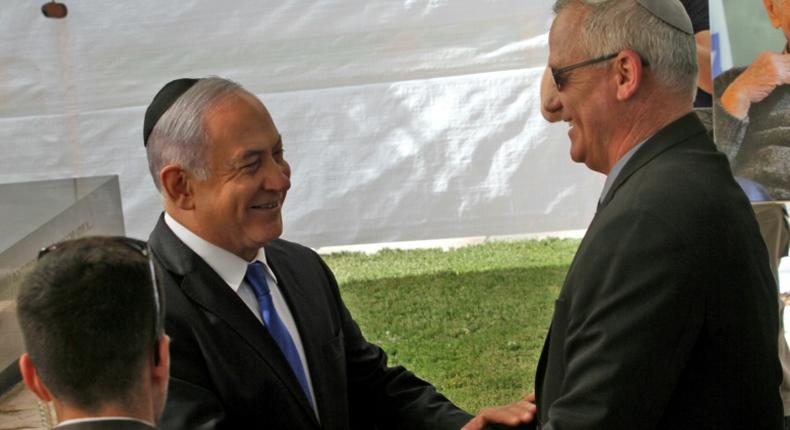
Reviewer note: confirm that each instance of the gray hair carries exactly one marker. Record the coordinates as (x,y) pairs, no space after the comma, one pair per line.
(180,137)
(613,25)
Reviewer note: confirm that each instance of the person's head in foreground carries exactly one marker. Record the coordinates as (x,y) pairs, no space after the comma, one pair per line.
(91,315)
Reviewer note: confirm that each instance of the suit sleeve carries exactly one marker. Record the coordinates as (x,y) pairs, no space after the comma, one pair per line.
(192,403)
(191,406)
(388,397)
(631,314)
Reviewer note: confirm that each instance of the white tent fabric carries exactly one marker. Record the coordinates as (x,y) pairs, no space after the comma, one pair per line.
(402,120)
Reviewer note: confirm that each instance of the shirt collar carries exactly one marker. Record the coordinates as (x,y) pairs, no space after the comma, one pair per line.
(229,266)
(93,419)
(617,168)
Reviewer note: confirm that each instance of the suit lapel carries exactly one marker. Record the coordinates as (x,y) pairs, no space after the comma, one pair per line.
(209,291)
(673,134)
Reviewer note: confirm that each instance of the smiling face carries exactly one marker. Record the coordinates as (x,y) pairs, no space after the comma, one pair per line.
(238,207)
(582,102)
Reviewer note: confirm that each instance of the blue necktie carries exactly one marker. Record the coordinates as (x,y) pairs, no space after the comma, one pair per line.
(256,277)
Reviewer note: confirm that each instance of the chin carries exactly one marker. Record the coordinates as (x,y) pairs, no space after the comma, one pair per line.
(578,158)
(576,152)
(269,234)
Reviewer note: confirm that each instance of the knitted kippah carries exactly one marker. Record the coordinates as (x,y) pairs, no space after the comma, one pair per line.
(669,11)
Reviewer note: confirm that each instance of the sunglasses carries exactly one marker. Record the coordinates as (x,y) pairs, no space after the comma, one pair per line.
(557,74)
(141,248)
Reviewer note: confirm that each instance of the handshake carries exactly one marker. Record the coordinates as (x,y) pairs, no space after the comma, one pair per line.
(519,414)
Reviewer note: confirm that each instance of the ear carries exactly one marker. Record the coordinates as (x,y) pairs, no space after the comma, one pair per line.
(628,77)
(160,373)
(774,13)
(31,378)
(176,186)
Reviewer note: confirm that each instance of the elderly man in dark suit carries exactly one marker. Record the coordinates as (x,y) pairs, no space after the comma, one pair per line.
(91,315)
(667,317)
(261,337)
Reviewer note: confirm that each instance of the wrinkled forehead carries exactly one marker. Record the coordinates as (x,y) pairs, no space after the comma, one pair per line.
(236,100)
(238,115)
(565,34)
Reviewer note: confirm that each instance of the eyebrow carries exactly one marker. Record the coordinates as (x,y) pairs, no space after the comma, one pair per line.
(251,153)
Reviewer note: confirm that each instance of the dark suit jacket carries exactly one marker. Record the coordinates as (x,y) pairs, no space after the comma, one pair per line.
(228,373)
(108,424)
(667,318)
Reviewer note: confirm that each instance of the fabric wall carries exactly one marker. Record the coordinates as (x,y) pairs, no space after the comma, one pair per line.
(402,120)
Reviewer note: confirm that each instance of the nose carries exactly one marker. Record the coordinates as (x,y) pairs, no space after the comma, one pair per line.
(550,105)
(276,175)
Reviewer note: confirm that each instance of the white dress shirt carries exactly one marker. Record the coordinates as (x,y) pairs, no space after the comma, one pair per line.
(618,166)
(231,268)
(94,419)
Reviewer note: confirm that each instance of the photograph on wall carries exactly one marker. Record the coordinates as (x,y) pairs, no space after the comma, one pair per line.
(751,108)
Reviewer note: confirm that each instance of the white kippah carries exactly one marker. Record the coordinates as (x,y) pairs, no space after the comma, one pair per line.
(671,12)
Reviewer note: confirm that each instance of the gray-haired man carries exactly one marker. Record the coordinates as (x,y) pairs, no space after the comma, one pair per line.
(667,317)
(261,336)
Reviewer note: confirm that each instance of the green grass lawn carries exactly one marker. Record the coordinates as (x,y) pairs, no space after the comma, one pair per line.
(470,320)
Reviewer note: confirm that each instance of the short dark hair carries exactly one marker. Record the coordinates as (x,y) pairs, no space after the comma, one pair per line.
(90,313)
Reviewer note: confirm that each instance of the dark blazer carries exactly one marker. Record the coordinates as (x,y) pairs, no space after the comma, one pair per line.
(108,424)
(667,318)
(228,373)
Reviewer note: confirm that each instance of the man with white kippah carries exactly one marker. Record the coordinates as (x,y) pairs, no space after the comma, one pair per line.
(667,316)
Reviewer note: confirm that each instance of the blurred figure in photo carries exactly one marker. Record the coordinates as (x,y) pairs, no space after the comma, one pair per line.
(752,127)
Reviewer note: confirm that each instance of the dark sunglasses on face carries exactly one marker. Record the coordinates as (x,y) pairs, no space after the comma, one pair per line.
(557,74)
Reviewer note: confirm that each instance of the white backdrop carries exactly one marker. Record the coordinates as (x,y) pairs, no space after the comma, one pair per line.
(402,120)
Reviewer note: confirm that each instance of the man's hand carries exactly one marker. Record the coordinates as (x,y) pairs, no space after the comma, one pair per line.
(767,72)
(520,412)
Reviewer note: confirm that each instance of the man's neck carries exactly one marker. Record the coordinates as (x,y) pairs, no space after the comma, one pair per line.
(187,221)
(640,123)
(140,412)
